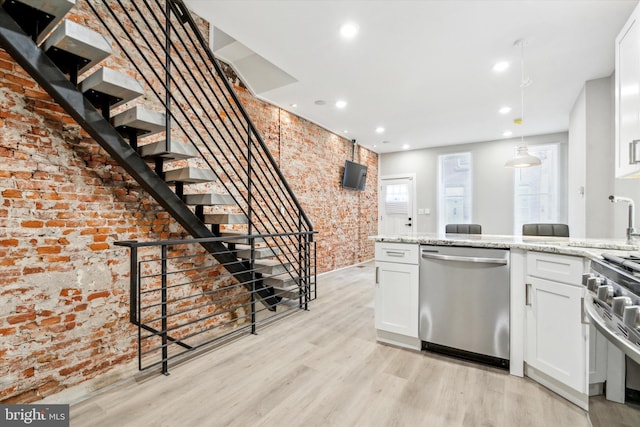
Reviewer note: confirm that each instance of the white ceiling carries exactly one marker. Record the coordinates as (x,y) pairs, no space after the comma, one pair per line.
(422,69)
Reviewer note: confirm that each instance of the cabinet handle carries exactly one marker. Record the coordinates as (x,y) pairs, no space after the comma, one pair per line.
(527,287)
(633,152)
(377,269)
(395,253)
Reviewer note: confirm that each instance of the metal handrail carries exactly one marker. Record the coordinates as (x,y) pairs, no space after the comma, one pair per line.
(176,305)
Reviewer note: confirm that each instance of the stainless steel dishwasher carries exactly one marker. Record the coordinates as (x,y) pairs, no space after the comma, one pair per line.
(464,302)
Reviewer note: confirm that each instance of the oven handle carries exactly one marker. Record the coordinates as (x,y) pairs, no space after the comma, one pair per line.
(613,337)
(481,260)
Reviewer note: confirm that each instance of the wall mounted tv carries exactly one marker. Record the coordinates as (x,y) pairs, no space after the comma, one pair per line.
(355,176)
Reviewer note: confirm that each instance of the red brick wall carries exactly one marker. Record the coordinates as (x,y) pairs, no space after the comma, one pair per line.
(312,160)
(63,203)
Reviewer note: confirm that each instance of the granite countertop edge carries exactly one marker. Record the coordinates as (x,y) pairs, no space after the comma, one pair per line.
(591,248)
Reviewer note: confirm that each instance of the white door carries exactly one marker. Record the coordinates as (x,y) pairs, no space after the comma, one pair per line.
(396,206)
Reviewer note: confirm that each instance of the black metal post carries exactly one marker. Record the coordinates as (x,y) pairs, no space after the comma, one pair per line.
(165,341)
(252,241)
(167,81)
(134,314)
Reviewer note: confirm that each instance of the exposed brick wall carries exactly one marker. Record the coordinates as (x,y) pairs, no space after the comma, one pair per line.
(312,160)
(64,301)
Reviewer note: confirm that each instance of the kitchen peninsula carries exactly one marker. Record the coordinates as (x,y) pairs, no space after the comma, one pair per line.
(542,321)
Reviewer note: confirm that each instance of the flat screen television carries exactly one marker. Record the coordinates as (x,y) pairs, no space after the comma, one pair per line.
(355,176)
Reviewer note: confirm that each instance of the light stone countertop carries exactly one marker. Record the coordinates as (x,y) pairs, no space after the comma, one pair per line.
(591,248)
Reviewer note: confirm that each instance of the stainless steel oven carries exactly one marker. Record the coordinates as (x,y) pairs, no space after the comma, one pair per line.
(612,304)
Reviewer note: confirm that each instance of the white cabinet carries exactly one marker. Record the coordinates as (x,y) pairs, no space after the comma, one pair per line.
(396,294)
(556,342)
(627,98)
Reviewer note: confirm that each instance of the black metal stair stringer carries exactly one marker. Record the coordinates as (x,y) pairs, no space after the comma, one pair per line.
(30,57)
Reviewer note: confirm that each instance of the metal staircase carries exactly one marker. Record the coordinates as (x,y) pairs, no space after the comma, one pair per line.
(186,141)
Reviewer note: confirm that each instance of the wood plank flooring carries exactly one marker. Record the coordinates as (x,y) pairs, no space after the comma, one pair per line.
(324,368)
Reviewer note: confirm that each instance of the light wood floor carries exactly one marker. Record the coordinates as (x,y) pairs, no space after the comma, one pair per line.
(324,368)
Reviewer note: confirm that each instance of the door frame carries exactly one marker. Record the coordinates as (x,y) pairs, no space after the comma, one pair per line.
(414,214)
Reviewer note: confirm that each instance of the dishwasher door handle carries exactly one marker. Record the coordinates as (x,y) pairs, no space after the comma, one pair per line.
(478,260)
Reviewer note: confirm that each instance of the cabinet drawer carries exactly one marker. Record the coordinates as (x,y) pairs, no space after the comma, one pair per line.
(402,253)
(559,268)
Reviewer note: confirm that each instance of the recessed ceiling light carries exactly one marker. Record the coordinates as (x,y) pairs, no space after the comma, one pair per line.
(501,66)
(504,110)
(507,133)
(406,146)
(341,104)
(345,131)
(293,105)
(379,129)
(374,145)
(349,30)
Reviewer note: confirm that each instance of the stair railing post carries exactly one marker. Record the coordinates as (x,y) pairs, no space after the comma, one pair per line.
(167,81)
(301,262)
(252,241)
(307,271)
(163,291)
(134,298)
(253,285)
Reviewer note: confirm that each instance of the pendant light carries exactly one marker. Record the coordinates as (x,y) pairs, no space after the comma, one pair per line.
(522,159)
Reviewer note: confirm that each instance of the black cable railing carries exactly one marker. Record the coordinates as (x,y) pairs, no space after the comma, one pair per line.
(221,131)
(183,299)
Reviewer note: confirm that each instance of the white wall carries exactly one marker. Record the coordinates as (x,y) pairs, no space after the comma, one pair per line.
(492,182)
(592,165)
(591,161)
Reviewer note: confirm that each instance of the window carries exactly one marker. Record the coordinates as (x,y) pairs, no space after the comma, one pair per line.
(397,199)
(536,189)
(454,189)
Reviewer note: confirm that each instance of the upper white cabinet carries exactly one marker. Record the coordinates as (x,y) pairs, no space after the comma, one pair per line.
(627,98)
(396,296)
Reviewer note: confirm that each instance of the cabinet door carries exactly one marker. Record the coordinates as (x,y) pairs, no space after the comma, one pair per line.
(397,298)
(556,336)
(627,97)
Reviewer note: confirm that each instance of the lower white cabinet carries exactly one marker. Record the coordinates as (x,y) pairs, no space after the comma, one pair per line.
(396,294)
(397,298)
(557,335)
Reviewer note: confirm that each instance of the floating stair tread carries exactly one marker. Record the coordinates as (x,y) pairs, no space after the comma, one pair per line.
(190,175)
(141,120)
(284,290)
(244,252)
(119,87)
(79,41)
(288,283)
(271,267)
(51,12)
(210,199)
(178,151)
(225,219)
